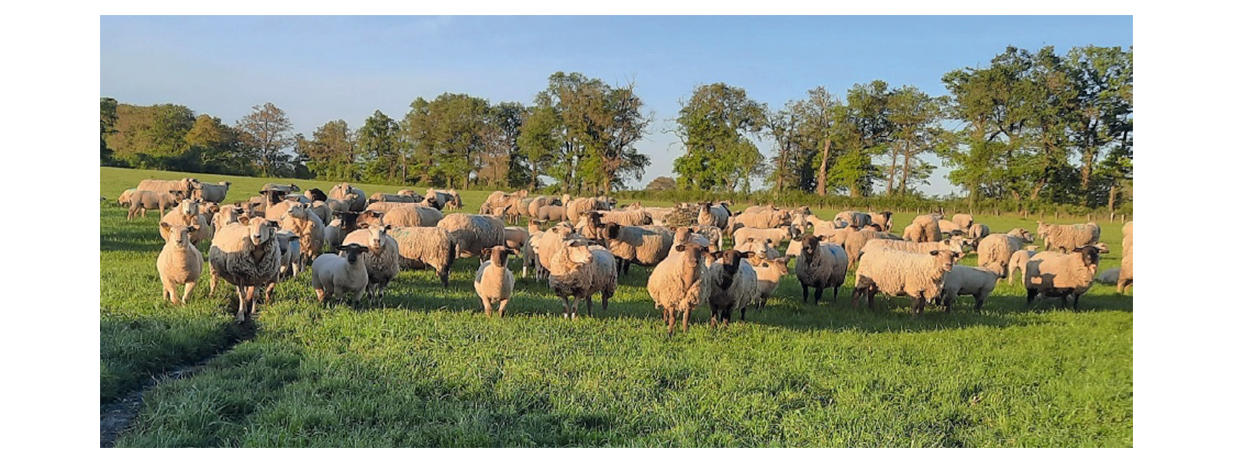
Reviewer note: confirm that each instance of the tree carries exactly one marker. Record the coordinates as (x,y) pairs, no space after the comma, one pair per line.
(661,183)
(540,140)
(218,147)
(914,118)
(107,124)
(378,150)
(502,163)
(713,125)
(152,137)
(861,131)
(330,152)
(1102,109)
(267,132)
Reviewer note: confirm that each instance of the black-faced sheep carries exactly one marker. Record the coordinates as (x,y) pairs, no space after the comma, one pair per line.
(1054,274)
(733,285)
(815,266)
(382,261)
(332,274)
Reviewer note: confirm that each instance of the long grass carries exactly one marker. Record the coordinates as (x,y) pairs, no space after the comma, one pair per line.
(428,369)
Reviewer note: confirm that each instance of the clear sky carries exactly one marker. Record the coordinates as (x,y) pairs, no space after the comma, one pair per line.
(323,68)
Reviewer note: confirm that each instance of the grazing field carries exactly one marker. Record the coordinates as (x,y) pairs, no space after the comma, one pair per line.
(428,369)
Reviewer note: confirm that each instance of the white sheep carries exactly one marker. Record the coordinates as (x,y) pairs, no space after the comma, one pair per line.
(1000,248)
(963,221)
(347,193)
(733,285)
(716,216)
(185,187)
(179,262)
(551,242)
(214,193)
(1055,274)
(1018,262)
(853,218)
(978,231)
(579,207)
(923,228)
(641,245)
(473,232)
(307,226)
(1124,279)
(290,251)
(580,270)
(333,234)
(143,200)
(883,219)
(770,218)
(425,247)
(518,239)
(966,280)
(187,213)
(857,240)
(332,274)
(955,244)
(815,266)
(677,284)
(247,255)
(494,281)
(775,235)
(382,261)
(769,273)
(1068,237)
(415,215)
(839,272)
(897,273)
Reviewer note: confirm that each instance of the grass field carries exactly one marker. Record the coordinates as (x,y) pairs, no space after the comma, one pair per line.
(428,369)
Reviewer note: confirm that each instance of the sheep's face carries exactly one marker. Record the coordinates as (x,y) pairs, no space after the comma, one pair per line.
(351,251)
(261,231)
(298,211)
(377,237)
(579,252)
(810,246)
(946,258)
(190,207)
(611,231)
(1089,258)
(498,255)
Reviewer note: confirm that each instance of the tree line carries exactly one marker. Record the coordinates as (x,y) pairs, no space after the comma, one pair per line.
(1030,127)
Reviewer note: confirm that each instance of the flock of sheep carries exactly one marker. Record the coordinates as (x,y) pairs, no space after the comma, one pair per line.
(582,245)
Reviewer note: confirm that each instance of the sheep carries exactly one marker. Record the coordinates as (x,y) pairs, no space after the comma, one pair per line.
(678,284)
(348,194)
(309,228)
(185,214)
(413,216)
(289,247)
(538,202)
(857,240)
(947,227)
(179,263)
(1124,278)
(579,270)
(331,273)
(775,235)
(425,247)
(1018,262)
(247,255)
(963,221)
(445,198)
(1108,276)
(716,215)
(954,244)
(924,228)
(712,234)
(687,234)
(319,208)
(518,239)
(185,186)
(757,208)
(283,188)
(385,206)
(635,217)
(641,245)
(760,248)
(494,280)
(978,231)
(125,197)
(473,232)
(315,194)
(965,280)
(1054,274)
(410,193)
(553,213)
(839,272)
(363,219)
(765,219)
(573,210)
(1065,237)
(383,260)
(840,236)
(214,193)
(1000,248)
(392,198)
(769,273)
(733,285)
(551,242)
(815,266)
(853,218)
(228,214)
(658,216)
(883,219)
(145,199)
(333,234)
(896,273)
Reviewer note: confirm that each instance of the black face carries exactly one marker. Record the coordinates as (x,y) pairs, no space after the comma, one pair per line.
(611,231)
(810,245)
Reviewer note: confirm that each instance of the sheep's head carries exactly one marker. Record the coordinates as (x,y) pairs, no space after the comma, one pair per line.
(498,255)
(316,195)
(810,246)
(262,230)
(178,234)
(1089,258)
(189,207)
(299,211)
(376,237)
(611,231)
(945,257)
(562,229)
(351,251)
(780,264)
(579,252)
(368,218)
(433,202)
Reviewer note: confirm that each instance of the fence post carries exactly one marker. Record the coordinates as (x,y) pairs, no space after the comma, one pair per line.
(1123,218)
(1056,213)
(1091,217)
(1112,217)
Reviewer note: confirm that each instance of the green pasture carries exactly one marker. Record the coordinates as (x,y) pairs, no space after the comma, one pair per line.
(427,369)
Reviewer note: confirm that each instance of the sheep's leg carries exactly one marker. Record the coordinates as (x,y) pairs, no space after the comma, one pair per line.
(817,294)
(565,301)
(804,293)
(714,316)
(590,304)
(576,299)
(1063,301)
(486,306)
(252,299)
(947,303)
(189,287)
(1030,294)
(503,305)
(241,306)
(978,301)
(871,291)
(857,292)
(271,287)
(606,297)
(836,295)
(669,317)
(321,293)
(743,313)
(684,321)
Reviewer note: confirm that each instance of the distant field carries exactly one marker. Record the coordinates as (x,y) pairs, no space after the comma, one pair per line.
(428,369)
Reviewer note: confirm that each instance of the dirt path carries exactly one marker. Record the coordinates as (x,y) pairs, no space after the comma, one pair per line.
(115,417)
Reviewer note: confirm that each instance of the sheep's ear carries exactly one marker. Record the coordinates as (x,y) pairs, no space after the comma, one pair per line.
(363,225)
(486,253)
(768,241)
(193,228)
(934,252)
(680,248)
(764,265)
(749,240)
(387,227)
(165,225)
(1078,249)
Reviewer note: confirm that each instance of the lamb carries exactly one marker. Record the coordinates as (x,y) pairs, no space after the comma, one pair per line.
(716,216)
(518,239)
(678,284)
(413,216)
(146,199)
(883,219)
(126,197)
(538,202)
(853,218)
(289,248)
(978,231)
(1018,262)
(857,240)
(775,235)
(963,221)
(494,280)
(1054,274)
(1000,248)
(815,267)
(383,260)
(214,193)
(923,229)
(185,214)
(579,207)
(1065,237)
(641,245)
(307,226)
(184,186)
(966,280)
(331,274)
(897,273)
(333,234)
(179,263)
(1108,276)
(954,244)
(733,285)
(348,194)
(473,232)
(769,273)
(247,255)
(580,270)
(425,247)
(1124,278)
(445,198)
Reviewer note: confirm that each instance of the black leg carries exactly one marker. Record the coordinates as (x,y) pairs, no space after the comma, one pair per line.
(1030,294)
(817,295)
(804,293)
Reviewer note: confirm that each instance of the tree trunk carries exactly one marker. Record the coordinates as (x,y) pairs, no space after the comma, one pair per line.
(822,169)
(1111,199)
(908,158)
(891,173)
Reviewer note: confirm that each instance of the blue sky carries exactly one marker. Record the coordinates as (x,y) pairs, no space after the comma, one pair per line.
(322,68)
